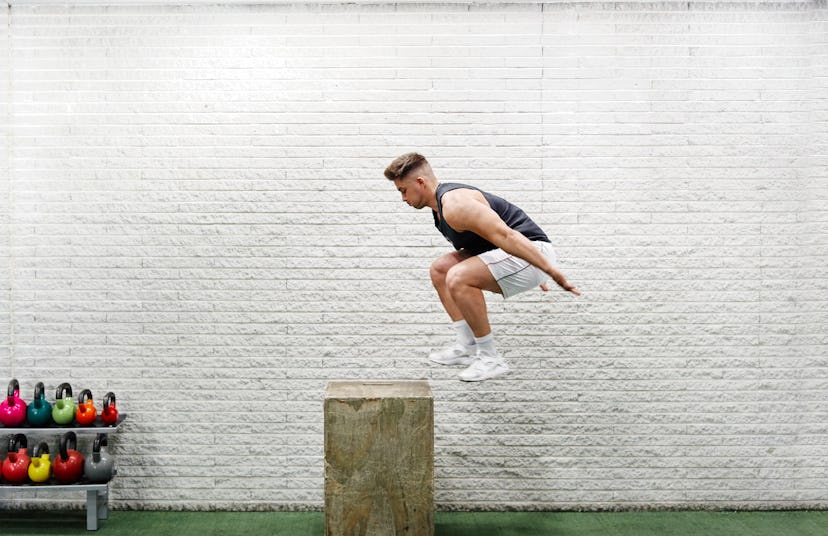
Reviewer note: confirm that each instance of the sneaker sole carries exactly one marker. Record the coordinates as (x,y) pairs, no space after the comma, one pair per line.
(459,361)
(495,374)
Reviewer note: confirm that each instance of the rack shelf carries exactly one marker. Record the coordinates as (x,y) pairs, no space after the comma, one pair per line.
(98,428)
(97,495)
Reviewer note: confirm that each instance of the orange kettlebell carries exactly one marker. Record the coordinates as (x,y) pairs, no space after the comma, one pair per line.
(85,413)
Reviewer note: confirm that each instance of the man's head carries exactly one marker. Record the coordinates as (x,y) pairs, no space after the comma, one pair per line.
(406,164)
(413,177)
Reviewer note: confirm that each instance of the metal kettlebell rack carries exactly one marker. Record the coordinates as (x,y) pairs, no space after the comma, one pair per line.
(97,494)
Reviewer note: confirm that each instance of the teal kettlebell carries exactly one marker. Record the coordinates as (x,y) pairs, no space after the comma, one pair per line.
(63,411)
(39,412)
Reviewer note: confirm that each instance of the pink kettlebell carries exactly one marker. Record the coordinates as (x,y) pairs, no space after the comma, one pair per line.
(13,408)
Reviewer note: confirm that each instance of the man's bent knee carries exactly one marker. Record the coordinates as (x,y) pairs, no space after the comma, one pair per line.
(456,278)
(437,271)
(441,265)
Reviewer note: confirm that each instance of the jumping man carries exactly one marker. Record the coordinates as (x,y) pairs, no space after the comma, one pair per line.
(498,249)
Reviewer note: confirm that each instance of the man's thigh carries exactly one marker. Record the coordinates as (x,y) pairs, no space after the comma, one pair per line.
(473,271)
(513,274)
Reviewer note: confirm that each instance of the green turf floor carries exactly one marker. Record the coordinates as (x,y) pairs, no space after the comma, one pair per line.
(789,523)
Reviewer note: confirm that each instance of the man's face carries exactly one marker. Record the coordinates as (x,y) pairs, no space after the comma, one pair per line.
(412,191)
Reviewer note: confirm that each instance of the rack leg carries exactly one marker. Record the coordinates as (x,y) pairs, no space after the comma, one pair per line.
(103,504)
(91,510)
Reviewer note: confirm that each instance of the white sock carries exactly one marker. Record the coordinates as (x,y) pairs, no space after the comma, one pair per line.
(486,345)
(464,333)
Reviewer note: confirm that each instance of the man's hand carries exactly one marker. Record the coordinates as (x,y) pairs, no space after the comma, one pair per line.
(569,288)
(559,278)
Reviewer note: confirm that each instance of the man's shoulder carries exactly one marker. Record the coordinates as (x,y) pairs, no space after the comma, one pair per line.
(462,195)
(448,187)
(463,206)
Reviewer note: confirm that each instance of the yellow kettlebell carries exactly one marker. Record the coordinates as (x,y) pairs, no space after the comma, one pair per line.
(41,467)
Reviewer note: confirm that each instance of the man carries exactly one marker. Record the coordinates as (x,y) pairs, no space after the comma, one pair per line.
(498,249)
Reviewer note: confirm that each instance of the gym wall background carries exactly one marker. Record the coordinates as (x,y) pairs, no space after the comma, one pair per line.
(195,218)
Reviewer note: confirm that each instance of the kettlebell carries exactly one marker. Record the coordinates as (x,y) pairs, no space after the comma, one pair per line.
(100,466)
(39,412)
(16,464)
(109,413)
(68,465)
(85,413)
(63,411)
(13,409)
(41,467)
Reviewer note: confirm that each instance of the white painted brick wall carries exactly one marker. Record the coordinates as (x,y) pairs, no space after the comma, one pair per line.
(195,217)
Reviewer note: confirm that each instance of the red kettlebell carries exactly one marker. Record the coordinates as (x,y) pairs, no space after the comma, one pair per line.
(109,413)
(68,465)
(85,413)
(13,409)
(16,464)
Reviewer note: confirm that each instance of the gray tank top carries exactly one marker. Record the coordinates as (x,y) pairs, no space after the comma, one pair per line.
(473,243)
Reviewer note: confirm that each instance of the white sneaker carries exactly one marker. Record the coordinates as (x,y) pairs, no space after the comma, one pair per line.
(456,354)
(484,368)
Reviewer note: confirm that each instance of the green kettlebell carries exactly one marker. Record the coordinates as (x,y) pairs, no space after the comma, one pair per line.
(63,412)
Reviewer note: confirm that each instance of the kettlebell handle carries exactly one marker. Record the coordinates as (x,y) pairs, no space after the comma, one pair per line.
(109,399)
(17,442)
(65,445)
(14,385)
(64,390)
(40,391)
(100,441)
(84,395)
(41,448)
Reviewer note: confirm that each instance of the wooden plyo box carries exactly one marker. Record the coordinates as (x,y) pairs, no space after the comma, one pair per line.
(379,458)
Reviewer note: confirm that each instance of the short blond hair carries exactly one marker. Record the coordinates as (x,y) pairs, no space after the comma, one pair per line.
(405,164)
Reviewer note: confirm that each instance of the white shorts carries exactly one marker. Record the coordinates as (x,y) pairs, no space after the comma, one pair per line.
(513,274)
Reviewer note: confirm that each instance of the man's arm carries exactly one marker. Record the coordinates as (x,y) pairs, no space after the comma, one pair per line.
(467,210)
